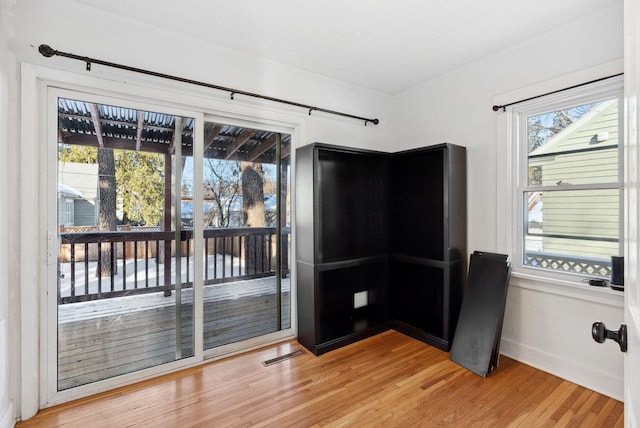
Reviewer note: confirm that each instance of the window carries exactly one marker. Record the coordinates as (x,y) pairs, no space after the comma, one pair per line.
(569,184)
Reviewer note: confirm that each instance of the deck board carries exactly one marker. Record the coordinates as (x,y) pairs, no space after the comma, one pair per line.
(102,339)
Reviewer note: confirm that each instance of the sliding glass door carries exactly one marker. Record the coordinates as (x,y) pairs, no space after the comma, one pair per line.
(246,233)
(124,288)
(170,237)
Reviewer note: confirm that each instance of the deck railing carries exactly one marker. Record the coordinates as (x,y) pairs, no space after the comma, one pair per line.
(145,261)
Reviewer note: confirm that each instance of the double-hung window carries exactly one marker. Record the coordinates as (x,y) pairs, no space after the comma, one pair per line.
(569,181)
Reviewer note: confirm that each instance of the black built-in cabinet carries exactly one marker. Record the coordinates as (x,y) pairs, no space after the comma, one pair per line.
(380,243)
(428,236)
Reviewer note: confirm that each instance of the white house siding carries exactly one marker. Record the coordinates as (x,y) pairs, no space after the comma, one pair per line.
(83,178)
(594,213)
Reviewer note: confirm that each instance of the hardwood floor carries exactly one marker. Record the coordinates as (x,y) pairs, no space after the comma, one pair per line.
(388,380)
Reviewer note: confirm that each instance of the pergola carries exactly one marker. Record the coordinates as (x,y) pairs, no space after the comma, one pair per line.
(98,125)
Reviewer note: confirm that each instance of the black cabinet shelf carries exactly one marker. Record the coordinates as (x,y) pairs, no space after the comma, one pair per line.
(380,243)
(341,302)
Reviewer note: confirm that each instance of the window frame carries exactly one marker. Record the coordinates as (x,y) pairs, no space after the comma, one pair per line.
(518,185)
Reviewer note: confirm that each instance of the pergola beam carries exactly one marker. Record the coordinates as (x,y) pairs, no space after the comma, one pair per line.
(97,125)
(263,147)
(240,140)
(211,132)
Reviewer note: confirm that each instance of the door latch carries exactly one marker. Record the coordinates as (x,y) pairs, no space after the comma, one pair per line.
(600,333)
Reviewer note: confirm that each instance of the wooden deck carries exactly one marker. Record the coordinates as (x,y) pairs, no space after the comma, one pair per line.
(111,337)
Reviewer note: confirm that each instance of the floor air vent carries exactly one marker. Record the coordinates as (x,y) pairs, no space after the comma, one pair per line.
(283,357)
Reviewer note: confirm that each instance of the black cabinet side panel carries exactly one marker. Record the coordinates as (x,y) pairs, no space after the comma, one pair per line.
(307,312)
(457,201)
(304,204)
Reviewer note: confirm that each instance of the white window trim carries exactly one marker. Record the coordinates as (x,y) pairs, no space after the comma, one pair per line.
(509,211)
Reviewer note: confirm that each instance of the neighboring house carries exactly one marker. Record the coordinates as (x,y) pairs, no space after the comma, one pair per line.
(77,194)
(584,152)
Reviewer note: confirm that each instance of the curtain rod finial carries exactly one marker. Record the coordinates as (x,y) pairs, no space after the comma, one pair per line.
(46,50)
(496,108)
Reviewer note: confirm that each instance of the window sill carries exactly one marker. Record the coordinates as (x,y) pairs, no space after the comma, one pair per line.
(572,289)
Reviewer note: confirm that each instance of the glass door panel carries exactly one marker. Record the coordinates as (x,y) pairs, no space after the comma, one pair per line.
(125,267)
(246,174)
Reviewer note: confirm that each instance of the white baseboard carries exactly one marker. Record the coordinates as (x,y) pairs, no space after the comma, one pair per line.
(7,420)
(593,378)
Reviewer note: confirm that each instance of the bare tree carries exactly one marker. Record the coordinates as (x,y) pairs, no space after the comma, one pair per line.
(222,188)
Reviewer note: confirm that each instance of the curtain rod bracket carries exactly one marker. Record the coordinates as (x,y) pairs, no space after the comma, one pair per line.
(48,52)
(232,95)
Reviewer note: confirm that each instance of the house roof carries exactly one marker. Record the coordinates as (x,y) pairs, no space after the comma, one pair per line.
(68,191)
(586,131)
(80,180)
(100,125)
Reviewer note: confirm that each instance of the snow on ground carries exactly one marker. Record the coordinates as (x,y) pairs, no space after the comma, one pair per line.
(148,273)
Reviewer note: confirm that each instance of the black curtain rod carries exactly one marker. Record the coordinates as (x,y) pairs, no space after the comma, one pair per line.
(504,106)
(48,52)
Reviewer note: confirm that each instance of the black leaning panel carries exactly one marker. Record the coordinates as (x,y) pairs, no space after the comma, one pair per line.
(477,338)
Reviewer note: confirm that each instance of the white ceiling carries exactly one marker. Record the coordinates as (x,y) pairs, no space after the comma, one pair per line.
(385,45)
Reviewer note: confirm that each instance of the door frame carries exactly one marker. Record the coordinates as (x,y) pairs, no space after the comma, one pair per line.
(632,204)
(34,83)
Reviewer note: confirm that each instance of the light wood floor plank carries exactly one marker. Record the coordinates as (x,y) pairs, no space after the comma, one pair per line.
(389,380)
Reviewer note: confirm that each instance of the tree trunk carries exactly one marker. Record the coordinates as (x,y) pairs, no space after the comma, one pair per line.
(107,212)
(253,209)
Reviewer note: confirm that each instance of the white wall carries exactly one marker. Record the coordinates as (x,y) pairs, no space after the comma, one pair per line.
(545,329)
(455,108)
(6,404)
(70,27)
